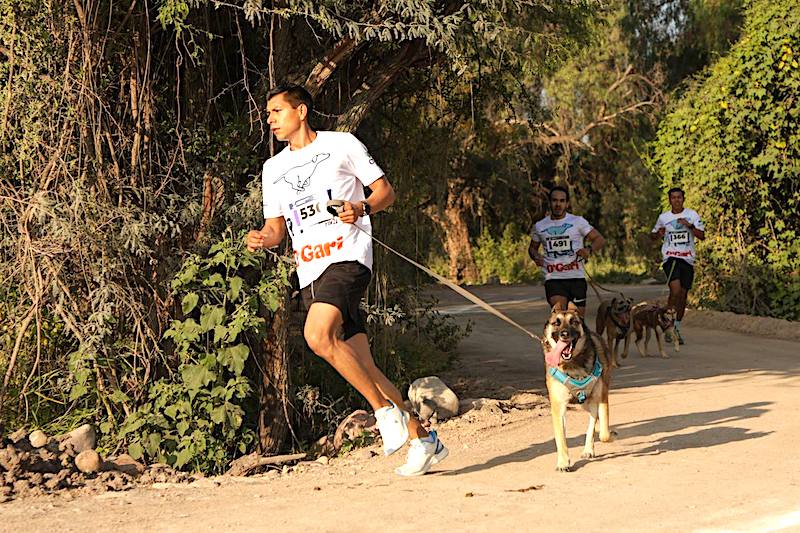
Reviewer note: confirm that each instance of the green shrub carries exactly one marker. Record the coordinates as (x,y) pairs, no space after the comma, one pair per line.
(202,416)
(505,259)
(733,143)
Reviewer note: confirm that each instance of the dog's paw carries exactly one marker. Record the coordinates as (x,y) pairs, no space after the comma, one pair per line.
(665,356)
(612,436)
(567,468)
(587,455)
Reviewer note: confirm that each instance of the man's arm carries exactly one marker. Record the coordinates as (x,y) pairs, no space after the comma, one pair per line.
(533,252)
(658,231)
(270,235)
(596,243)
(382,196)
(697,232)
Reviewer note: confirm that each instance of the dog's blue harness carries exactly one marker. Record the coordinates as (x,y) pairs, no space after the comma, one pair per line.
(580,389)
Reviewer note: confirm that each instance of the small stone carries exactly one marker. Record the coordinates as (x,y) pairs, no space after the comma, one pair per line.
(124,463)
(81,439)
(18,435)
(37,438)
(88,461)
(323,460)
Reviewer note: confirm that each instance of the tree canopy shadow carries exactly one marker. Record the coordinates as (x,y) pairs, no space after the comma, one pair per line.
(703,437)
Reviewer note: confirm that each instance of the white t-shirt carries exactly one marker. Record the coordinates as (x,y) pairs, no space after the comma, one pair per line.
(561,239)
(678,239)
(297,185)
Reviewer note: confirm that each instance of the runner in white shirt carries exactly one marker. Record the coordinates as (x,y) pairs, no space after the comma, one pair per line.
(678,227)
(334,258)
(562,235)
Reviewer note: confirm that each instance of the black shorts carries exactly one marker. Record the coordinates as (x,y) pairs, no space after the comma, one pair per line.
(679,269)
(341,285)
(574,290)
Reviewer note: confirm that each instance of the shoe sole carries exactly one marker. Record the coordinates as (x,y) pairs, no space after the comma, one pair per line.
(435,459)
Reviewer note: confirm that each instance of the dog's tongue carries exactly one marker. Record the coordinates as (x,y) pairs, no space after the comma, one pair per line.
(553,357)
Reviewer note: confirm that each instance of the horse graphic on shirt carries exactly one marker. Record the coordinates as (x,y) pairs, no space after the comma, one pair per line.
(299,177)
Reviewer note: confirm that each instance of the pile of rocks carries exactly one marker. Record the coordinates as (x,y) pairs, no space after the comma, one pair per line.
(34,464)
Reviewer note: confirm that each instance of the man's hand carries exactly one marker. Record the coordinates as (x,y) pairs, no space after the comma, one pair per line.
(351,212)
(255,240)
(538,259)
(584,253)
(685,222)
(661,232)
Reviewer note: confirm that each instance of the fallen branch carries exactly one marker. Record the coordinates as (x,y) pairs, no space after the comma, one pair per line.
(245,465)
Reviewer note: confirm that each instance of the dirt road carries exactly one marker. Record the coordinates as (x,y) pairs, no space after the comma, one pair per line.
(707,441)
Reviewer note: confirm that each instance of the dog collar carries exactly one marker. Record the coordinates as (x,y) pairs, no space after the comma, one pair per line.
(580,389)
(623,329)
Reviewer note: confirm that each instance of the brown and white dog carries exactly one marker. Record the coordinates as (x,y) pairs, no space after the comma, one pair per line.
(647,317)
(577,369)
(614,318)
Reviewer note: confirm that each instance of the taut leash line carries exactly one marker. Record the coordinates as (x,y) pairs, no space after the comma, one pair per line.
(337,204)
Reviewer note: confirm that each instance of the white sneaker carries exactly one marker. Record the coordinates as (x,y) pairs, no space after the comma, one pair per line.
(422,455)
(392,423)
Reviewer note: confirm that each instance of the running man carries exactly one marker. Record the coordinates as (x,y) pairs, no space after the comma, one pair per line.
(678,227)
(334,258)
(563,235)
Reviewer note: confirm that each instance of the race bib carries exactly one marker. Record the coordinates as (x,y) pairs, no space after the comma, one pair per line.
(679,238)
(308,211)
(560,245)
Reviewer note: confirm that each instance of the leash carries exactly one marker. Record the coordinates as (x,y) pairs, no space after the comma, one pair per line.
(335,206)
(594,284)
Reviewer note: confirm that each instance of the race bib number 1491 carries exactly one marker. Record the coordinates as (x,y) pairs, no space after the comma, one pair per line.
(559,245)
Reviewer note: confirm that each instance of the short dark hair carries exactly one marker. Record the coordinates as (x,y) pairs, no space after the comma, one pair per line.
(676,189)
(558,188)
(295,94)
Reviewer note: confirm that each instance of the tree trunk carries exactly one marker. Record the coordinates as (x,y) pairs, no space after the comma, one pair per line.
(273,386)
(380,80)
(453,222)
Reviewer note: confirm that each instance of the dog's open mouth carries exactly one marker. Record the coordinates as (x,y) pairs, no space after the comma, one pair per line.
(561,351)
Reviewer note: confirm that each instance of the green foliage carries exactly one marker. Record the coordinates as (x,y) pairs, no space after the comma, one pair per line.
(733,143)
(201,416)
(505,259)
(630,269)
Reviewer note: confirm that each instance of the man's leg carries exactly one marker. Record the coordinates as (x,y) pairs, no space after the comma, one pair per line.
(558,299)
(360,345)
(680,308)
(320,331)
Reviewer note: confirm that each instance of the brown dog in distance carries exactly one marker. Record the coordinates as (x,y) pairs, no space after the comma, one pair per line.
(647,317)
(614,318)
(577,369)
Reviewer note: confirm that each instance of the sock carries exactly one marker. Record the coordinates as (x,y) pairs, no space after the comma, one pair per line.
(430,438)
(677,325)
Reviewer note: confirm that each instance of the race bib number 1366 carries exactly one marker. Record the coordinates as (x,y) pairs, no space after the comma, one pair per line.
(679,237)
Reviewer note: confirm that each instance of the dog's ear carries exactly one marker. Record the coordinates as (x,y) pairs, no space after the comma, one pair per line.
(557,308)
(572,307)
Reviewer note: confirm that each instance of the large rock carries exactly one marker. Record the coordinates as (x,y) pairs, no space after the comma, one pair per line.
(79,439)
(432,399)
(353,427)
